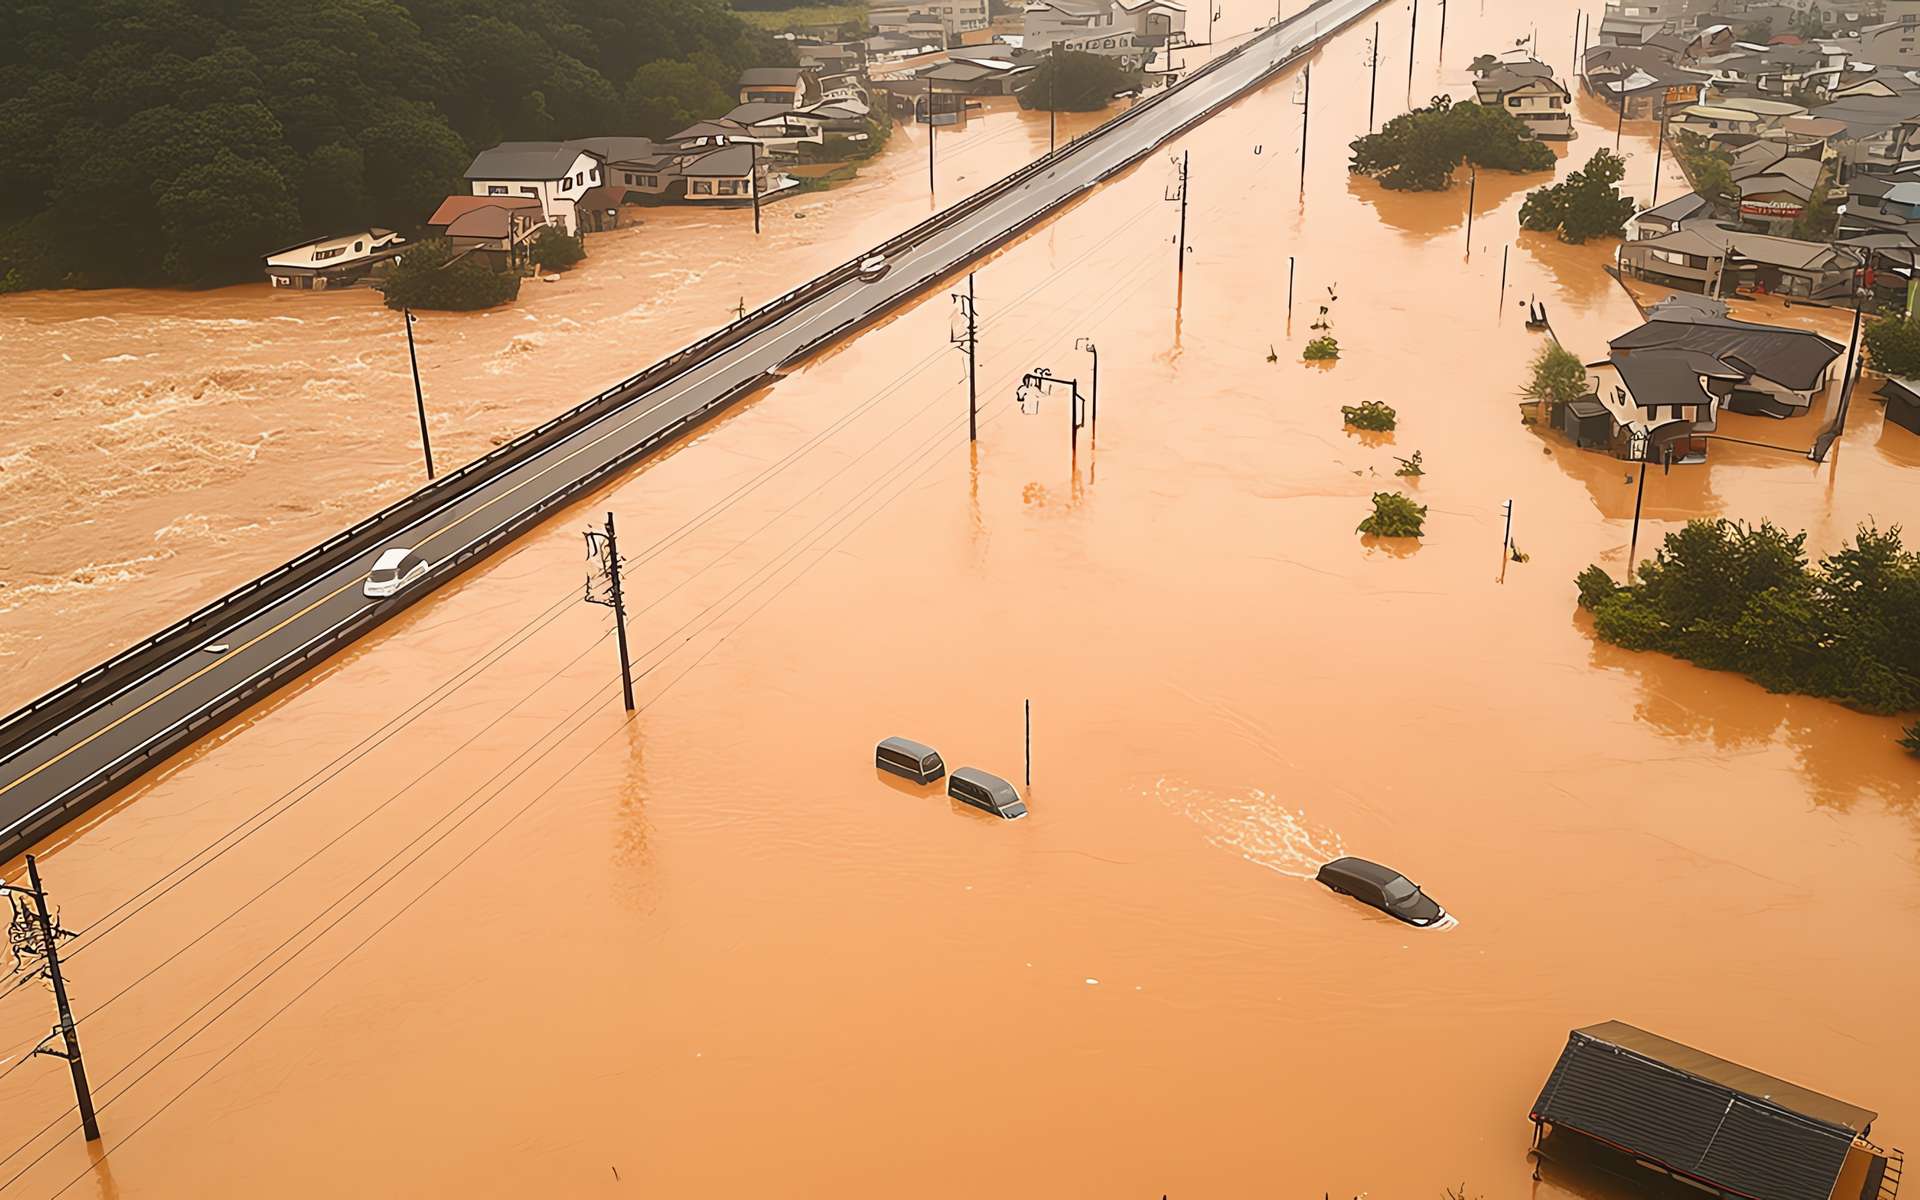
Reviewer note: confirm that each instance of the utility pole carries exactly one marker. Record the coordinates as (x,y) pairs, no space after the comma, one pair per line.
(1413,40)
(1039,380)
(970,342)
(1053,110)
(419,400)
(1289,287)
(1620,129)
(1473,188)
(1504,251)
(603,547)
(1506,539)
(1029,707)
(1659,151)
(1577,14)
(1181,189)
(753,180)
(929,135)
(1306,114)
(1086,343)
(1373,85)
(1633,544)
(37,935)
(1442,51)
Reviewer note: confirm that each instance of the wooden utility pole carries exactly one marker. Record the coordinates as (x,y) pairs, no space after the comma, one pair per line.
(1373,85)
(1306,114)
(753,181)
(1473,187)
(37,935)
(609,555)
(1183,213)
(1413,41)
(929,135)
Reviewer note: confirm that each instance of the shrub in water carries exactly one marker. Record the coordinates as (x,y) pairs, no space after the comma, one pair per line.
(1322,348)
(1394,516)
(1374,415)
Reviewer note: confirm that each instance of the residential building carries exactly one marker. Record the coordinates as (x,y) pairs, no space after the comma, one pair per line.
(954,17)
(1892,43)
(1768,370)
(922,27)
(976,77)
(1660,221)
(1774,199)
(1703,255)
(332,262)
(722,176)
(1903,403)
(794,86)
(557,174)
(498,230)
(1528,90)
(781,129)
(1138,32)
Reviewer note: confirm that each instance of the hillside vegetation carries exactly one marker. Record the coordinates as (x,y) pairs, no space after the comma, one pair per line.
(176,141)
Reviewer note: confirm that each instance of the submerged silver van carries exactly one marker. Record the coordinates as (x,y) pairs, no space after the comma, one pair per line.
(909,759)
(970,785)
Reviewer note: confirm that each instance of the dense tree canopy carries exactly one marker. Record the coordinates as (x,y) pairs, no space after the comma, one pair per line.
(1893,345)
(176,141)
(1419,150)
(1744,598)
(1074,81)
(1588,204)
(429,275)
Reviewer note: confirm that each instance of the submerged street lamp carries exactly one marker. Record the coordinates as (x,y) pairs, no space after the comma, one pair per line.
(1035,383)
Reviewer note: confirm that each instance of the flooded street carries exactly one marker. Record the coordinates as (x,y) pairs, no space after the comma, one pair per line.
(443,920)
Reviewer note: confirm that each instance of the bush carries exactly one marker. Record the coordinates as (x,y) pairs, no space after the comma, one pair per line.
(427,276)
(1321,348)
(1587,205)
(1595,587)
(1371,414)
(1740,598)
(1409,466)
(1075,81)
(1912,739)
(1394,516)
(554,250)
(1558,375)
(1893,346)
(1418,151)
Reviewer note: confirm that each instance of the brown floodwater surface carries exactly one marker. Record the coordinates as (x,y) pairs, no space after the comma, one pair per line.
(463,928)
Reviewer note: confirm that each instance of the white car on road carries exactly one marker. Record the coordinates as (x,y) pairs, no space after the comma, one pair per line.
(397,567)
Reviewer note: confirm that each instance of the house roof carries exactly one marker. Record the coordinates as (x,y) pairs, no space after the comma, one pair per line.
(730,161)
(1679,208)
(524,160)
(718,128)
(493,221)
(1819,127)
(455,207)
(1511,77)
(771,76)
(1871,186)
(757,111)
(1795,176)
(618,149)
(1906,192)
(1715,1120)
(1793,357)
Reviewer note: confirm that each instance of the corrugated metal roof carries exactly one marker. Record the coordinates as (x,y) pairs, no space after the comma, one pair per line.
(1733,1127)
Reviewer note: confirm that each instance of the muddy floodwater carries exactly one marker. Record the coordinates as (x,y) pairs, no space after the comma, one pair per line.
(443,920)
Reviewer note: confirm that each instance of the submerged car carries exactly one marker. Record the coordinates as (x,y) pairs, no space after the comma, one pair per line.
(970,785)
(1383,888)
(396,567)
(909,759)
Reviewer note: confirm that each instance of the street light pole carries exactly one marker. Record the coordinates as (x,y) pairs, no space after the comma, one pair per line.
(1086,344)
(419,400)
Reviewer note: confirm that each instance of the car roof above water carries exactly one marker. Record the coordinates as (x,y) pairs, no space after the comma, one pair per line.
(391,557)
(1360,868)
(991,783)
(909,747)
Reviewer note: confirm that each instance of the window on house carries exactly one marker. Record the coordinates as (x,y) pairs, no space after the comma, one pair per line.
(358,247)
(649,181)
(525,191)
(596,174)
(730,187)
(496,189)
(701,187)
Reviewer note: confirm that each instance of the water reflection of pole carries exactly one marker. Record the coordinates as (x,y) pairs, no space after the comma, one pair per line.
(419,400)
(45,944)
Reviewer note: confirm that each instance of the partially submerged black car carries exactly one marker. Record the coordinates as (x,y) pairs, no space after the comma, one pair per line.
(1384,888)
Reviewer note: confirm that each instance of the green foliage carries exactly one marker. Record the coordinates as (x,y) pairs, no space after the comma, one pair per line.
(1558,375)
(1893,345)
(1394,515)
(554,250)
(1409,467)
(1321,349)
(1740,598)
(1596,587)
(1369,414)
(1074,81)
(664,97)
(1587,205)
(1912,739)
(1707,168)
(156,141)
(1806,24)
(427,276)
(1418,151)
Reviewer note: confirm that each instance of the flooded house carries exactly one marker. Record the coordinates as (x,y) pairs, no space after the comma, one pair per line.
(1903,403)
(557,174)
(1683,1122)
(1526,89)
(1705,255)
(333,262)
(496,230)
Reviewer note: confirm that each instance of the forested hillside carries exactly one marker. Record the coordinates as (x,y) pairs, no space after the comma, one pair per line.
(176,141)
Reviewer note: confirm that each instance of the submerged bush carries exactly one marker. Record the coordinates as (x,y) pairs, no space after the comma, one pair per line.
(1419,150)
(1595,586)
(1375,415)
(1321,348)
(428,276)
(1912,740)
(555,250)
(1394,515)
(1409,466)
